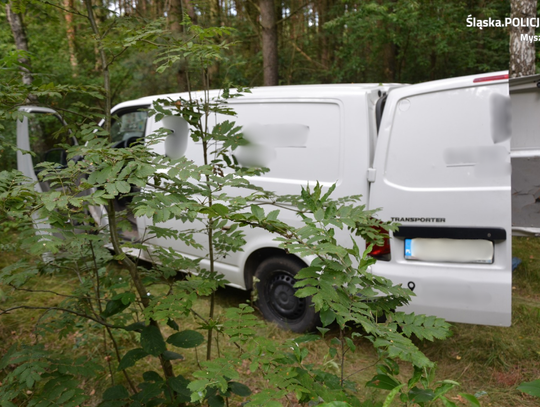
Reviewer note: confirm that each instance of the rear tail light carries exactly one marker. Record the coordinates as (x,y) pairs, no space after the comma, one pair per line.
(491,78)
(381,252)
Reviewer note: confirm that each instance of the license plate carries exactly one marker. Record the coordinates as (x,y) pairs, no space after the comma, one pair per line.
(449,250)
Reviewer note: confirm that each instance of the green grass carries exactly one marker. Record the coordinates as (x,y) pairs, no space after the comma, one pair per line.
(496,360)
(488,361)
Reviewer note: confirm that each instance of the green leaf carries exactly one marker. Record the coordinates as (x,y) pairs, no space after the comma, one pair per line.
(122,187)
(151,376)
(445,387)
(216,401)
(257,211)
(180,385)
(220,209)
(473,400)
(169,355)
(126,298)
(239,389)
(421,395)
(136,326)
(335,404)
(307,338)
(323,331)
(111,189)
(65,397)
(382,381)
(532,388)
(5,361)
(350,343)
(392,395)
(332,352)
(447,403)
(306,292)
(186,339)
(172,323)
(327,317)
(114,307)
(115,393)
(152,340)
(416,377)
(131,357)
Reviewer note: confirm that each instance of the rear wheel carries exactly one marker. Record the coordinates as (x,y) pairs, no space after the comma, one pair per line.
(277,302)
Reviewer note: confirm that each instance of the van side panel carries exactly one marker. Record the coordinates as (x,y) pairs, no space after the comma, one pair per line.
(301,140)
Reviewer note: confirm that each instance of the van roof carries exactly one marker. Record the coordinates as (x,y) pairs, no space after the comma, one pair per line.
(327,91)
(277,92)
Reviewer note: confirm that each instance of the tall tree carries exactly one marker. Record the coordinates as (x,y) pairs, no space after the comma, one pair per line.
(174,16)
(190,10)
(70,30)
(522,53)
(21,42)
(174,19)
(269,42)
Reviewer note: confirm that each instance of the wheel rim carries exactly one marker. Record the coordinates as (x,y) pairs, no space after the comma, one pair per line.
(281,298)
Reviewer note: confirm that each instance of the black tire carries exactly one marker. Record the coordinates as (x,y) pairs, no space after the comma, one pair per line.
(276,299)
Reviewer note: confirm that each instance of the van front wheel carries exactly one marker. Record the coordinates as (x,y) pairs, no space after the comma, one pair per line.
(277,302)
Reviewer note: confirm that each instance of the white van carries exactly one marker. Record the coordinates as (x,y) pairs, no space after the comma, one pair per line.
(434,156)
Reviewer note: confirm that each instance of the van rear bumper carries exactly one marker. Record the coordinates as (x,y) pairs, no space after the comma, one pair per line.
(481,295)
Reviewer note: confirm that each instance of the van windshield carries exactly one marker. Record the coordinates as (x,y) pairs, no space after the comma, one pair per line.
(128,125)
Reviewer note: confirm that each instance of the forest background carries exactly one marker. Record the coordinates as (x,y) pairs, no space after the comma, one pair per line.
(322,41)
(302,42)
(325,41)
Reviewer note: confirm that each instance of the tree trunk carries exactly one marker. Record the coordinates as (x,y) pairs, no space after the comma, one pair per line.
(175,15)
(324,51)
(70,29)
(21,43)
(215,13)
(174,18)
(522,52)
(269,42)
(141,7)
(190,10)
(113,228)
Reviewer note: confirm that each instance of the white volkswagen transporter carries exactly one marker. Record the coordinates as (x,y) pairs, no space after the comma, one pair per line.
(435,157)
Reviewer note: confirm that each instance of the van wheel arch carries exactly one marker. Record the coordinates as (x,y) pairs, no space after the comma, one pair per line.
(256,258)
(275,271)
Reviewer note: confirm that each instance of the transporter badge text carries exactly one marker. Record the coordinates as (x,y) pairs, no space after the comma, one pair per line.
(423,220)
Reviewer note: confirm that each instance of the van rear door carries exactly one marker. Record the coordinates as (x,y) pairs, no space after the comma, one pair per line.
(525,153)
(40,131)
(442,170)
